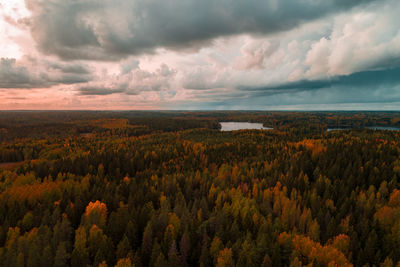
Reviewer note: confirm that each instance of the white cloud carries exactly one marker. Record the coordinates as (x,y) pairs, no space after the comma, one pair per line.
(360,40)
(255,54)
(132,80)
(12,14)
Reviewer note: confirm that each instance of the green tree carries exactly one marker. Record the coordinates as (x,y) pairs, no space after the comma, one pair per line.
(123,248)
(62,255)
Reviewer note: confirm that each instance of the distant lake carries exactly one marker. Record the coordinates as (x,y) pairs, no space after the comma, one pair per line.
(388,128)
(337,129)
(233,126)
(384,128)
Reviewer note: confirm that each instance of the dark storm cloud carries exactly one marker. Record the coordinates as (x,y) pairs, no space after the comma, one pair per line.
(99,91)
(110,30)
(362,89)
(365,79)
(70,79)
(70,68)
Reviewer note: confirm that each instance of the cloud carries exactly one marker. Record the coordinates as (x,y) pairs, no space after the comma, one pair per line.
(132,80)
(13,76)
(356,49)
(363,40)
(69,68)
(255,54)
(364,79)
(203,78)
(305,65)
(87,90)
(36,73)
(112,29)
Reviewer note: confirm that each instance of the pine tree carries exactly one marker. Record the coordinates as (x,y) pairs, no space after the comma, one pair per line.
(123,248)
(62,256)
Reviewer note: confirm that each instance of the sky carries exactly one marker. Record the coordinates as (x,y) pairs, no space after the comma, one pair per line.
(199,54)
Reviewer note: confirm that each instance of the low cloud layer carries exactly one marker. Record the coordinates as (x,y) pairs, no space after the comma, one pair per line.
(132,80)
(33,73)
(354,82)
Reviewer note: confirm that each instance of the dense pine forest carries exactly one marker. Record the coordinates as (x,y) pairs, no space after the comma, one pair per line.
(170,189)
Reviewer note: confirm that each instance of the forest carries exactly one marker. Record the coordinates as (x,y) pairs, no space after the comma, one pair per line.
(169,188)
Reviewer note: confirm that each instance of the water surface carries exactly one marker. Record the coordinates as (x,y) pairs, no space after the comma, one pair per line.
(388,128)
(234,126)
(384,128)
(337,129)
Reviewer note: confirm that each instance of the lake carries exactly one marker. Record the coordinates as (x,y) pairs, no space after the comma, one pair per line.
(384,128)
(337,129)
(234,126)
(369,127)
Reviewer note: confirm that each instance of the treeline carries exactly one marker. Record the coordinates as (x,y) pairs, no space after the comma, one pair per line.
(63,124)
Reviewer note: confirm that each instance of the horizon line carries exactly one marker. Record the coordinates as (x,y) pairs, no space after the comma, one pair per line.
(199,110)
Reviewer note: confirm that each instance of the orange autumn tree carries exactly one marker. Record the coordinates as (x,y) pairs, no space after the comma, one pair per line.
(327,255)
(95,213)
(389,215)
(342,243)
(125,262)
(315,146)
